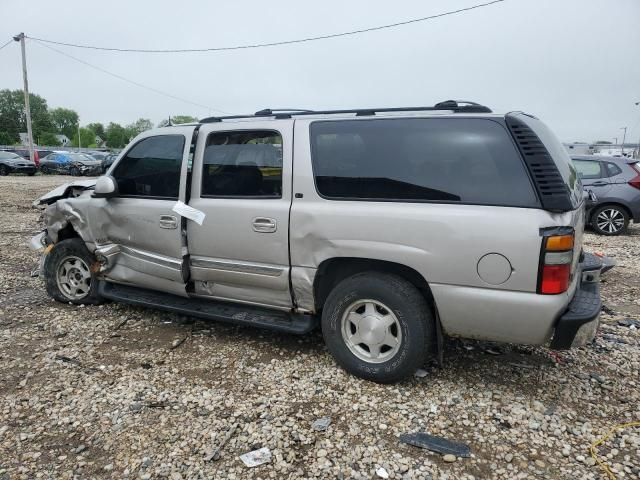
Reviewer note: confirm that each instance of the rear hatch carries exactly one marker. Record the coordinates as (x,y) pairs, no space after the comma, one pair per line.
(554,177)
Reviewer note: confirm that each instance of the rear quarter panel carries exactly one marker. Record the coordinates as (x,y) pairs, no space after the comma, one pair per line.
(442,242)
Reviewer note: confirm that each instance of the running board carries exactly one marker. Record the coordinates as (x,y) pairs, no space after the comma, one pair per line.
(210,309)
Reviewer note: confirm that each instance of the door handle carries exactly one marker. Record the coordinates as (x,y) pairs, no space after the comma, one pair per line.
(599,184)
(264,225)
(168,221)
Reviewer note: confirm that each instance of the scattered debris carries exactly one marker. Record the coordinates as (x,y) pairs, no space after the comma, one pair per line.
(382,473)
(65,359)
(522,365)
(493,350)
(179,341)
(607,310)
(436,444)
(420,373)
(154,404)
(321,424)
(629,322)
(121,324)
(449,458)
(214,454)
(146,365)
(256,457)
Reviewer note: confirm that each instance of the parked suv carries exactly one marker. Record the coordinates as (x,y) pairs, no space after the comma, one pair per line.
(616,184)
(388,227)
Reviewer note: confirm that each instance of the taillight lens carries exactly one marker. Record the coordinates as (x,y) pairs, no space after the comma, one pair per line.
(556,260)
(555,279)
(635,181)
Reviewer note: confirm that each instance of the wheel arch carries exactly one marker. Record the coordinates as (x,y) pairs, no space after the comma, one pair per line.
(333,270)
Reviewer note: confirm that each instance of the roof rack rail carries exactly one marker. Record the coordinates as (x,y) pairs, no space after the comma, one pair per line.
(457,106)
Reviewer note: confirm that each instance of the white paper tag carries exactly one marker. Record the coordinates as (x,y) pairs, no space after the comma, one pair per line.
(191,213)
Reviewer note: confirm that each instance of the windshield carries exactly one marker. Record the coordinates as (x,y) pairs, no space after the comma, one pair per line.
(81,157)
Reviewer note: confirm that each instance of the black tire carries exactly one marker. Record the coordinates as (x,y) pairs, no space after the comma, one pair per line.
(31,174)
(44,170)
(610,220)
(75,171)
(411,310)
(3,171)
(61,253)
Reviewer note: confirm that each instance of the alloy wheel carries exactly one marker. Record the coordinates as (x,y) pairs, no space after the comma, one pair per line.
(371,331)
(610,220)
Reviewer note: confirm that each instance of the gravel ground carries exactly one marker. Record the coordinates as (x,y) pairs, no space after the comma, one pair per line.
(99,392)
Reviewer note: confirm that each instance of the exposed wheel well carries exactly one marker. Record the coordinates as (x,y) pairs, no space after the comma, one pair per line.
(67,232)
(610,204)
(332,271)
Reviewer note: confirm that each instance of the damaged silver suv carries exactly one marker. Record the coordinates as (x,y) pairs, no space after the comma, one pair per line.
(387,227)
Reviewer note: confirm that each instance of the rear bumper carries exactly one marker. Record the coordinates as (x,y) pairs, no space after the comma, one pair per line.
(578,325)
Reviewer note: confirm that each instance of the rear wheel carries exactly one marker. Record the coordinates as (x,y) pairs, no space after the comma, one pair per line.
(75,171)
(378,326)
(3,170)
(610,220)
(68,273)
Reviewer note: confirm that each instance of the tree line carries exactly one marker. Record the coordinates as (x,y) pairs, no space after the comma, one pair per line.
(47,123)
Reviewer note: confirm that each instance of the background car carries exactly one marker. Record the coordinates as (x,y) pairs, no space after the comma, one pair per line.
(38,153)
(14,163)
(616,183)
(108,161)
(70,163)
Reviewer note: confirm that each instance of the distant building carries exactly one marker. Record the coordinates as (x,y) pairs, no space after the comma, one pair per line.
(63,140)
(579,148)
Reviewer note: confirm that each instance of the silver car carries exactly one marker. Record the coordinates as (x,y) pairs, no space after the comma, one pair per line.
(616,184)
(387,228)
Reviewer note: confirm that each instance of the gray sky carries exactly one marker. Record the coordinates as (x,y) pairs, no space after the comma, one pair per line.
(573,63)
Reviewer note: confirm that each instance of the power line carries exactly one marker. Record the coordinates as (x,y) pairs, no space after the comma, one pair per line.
(133,82)
(1,47)
(274,44)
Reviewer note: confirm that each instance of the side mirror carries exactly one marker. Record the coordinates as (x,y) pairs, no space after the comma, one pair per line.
(106,187)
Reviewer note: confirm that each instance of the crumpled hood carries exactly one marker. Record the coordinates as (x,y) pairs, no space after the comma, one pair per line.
(64,191)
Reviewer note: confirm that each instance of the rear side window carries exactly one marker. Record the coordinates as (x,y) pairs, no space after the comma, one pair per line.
(461,160)
(151,168)
(245,163)
(612,169)
(588,169)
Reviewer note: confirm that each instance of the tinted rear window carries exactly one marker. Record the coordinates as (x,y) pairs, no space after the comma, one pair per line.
(436,159)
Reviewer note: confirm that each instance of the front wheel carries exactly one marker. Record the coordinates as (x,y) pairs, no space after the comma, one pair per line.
(378,326)
(69,274)
(3,170)
(75,171)
(610,220)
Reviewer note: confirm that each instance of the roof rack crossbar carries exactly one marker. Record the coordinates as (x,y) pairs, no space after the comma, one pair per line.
(458,106)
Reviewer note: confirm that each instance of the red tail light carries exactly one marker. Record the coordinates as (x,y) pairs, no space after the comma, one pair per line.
(635,181)
(555,279)
(555,265)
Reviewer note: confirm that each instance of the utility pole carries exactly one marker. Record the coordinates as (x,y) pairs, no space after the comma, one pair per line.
(79,141)
(27,108)
(624,136)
